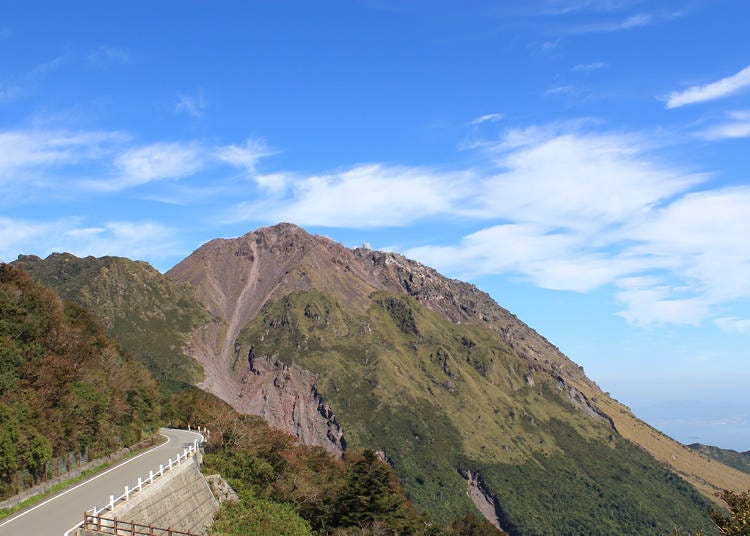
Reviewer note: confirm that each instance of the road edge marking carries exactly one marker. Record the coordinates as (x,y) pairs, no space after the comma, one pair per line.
(20,515)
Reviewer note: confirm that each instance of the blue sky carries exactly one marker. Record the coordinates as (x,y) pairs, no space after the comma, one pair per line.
(583,161)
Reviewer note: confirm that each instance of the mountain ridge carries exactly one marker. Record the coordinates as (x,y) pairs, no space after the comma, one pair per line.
(294,321)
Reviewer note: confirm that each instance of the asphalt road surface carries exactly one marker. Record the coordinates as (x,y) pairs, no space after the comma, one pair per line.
(55,515)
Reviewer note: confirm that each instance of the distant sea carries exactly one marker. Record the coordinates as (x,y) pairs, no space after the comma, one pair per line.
(725,425)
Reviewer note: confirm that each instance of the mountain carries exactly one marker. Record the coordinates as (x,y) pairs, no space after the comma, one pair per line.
(150,315)
(354,348)
(64,386)
(732,458)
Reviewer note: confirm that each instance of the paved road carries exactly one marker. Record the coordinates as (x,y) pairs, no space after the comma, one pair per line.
(56,515)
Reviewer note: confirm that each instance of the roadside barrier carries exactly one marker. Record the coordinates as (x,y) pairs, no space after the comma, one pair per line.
(114,526)
(102,519)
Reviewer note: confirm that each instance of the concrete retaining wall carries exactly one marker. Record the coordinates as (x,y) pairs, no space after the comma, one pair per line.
(182,500)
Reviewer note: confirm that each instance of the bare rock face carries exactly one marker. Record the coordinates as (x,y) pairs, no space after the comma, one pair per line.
(483,498)
(287,398)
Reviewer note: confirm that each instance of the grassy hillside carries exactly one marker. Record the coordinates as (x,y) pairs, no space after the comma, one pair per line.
(732,458)
(439,399)
(704,473)
(64,386)
(150,315)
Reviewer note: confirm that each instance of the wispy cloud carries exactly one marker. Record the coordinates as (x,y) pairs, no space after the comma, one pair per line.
(588,211)
(638,20)
(100,161)
(586,67)
(737,125)
(711,91)
(566,206)
(134,239)
(21,85)
(192,105)
(109,54)
(244,156)
(364,196)
(31,151)
(486,118)
(156,162)
(733,325)
(563,90)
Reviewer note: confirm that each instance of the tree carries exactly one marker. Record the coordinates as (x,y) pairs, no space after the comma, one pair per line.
(737,523)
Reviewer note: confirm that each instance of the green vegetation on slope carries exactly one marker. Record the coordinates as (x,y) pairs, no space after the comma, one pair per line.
(64,387)
(732,458)
(150,315)
(440,399)
(290,489)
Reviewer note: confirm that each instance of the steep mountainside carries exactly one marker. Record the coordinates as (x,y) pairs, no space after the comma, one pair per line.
(359,348)
(732,458)
(370,349)
(64,387)
(150,315)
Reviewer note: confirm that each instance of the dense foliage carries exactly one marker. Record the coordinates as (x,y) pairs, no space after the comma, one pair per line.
(64,387)
(149,315)
(289,488)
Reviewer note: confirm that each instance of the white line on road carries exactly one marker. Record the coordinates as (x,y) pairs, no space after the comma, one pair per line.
(82,484)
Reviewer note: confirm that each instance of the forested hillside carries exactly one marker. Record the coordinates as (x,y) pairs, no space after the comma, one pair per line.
(64,386)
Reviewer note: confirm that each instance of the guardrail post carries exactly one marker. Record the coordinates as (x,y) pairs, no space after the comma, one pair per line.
(170,462)
(127,494)
(161,470)
(150,477)
(111,503)
(140,484)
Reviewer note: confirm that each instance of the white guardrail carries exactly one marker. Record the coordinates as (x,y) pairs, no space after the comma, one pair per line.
(154,476)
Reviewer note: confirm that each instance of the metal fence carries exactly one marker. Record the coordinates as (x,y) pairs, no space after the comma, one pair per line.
(114,526)
(54,468)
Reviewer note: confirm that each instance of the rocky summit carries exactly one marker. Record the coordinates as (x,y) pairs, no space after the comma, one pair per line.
(355,348)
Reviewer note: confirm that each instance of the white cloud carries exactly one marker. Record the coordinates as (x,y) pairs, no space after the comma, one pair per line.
(561,90)
(30,151)
(585,67)
(638,20)
(583,211)
(487,118)
(361,197)
(738,126)
(549,259)
(577,181)
(244,156)
(733,325)
(192,105)
(136,240)
(154,162)
(714,90)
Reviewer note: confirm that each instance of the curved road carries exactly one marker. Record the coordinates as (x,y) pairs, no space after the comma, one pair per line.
(54,516)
